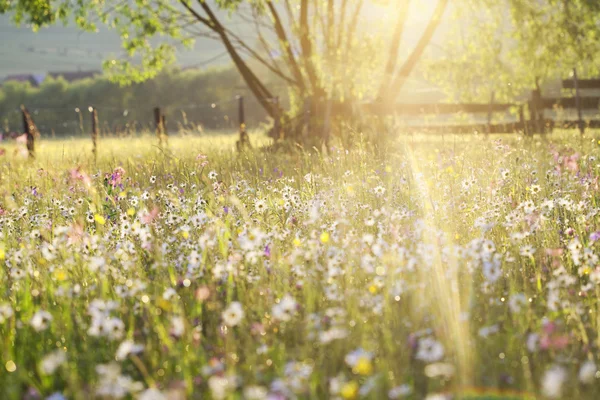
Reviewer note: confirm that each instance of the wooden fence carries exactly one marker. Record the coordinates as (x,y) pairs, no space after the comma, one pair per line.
(438,109)
(537,123)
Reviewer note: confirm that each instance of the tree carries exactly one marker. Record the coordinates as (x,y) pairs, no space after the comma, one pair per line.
(319,49)
(512,45)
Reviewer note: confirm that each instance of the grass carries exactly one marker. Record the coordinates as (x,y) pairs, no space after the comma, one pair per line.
(459,266)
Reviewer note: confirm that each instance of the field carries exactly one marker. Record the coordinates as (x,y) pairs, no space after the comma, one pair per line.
(442,266)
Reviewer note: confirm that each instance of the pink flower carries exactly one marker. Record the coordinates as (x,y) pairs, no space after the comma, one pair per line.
(77,175)
(22,139)
(571,162)
(116,177)
(148,218)
(554,342)
(554,252)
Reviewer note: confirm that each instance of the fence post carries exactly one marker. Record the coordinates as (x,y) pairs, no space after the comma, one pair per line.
(158,121)
(537,112)
(578,103)
(522,122)
(31,131)
(163,124)
(489,116)
(244,139)
(94,114)
(80,116)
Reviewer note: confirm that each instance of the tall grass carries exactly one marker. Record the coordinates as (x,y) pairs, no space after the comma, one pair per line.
(437,266)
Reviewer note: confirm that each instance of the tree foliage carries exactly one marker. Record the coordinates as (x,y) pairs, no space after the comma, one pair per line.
(330,50)
(506,46)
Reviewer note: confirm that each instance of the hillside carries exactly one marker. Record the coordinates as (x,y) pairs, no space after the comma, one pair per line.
(61,48)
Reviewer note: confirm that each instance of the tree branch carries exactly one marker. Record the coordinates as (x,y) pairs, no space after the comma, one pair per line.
(261,93)
(414,57)
(286,46)
(394,47)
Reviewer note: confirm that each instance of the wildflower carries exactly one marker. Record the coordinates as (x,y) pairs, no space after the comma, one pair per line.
(516,301)
(112,384)
(535,189)
(492,271)
(56,396)
(363,366)
(126,348)
(437,370)
(400,391)
(41,320)
(6,312)
(429,350)
(52,361)
(220,386)
(152,394)
(349,390)
(285,309)
(114,328)
(527,250)
(212,175)
(588,372)
(177,326)
(233,314)
(552,382)
(379,191)
(97,264)
(260,206)
(255,392)
(359,358)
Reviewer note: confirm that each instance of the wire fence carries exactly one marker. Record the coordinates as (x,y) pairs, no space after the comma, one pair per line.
(58,121)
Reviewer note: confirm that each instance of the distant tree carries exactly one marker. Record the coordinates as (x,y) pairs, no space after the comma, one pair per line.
(321,49)
(506,46)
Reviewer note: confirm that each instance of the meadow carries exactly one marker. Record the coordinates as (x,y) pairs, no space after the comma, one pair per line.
(438,268)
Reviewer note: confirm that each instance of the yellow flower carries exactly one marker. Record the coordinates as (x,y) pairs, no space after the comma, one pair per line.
(185,234)
(297,242)
(363,366)
(164,304)
(324,237)
(99,219)
(373,289)
(349,390)
(2,253)
(131,211)
(586,270)
(60,275)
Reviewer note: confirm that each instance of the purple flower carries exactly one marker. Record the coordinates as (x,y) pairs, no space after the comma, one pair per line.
(594,236)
